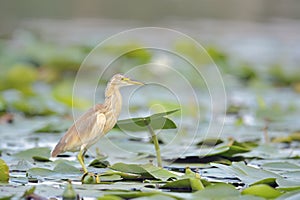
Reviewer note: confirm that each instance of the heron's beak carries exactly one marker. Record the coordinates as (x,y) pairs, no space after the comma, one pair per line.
(132,82)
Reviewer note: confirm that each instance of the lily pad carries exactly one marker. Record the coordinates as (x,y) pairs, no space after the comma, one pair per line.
(187,184)
(281,166)
(248,174)
(286,184)
(262,190)
(290,196)
(4,172)
(99,163)
(265,152)
(61,171)
(147,171)
(39,153)
(217,191)
(156,121)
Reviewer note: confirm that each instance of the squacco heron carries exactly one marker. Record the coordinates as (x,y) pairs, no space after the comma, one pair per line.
(96,122)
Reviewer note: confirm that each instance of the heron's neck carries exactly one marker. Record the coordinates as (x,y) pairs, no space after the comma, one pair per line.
(113,99)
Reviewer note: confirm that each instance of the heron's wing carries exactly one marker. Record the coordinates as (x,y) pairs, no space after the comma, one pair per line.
(84,132)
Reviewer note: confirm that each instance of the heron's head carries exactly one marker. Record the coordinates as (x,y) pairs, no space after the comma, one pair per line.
(121,80)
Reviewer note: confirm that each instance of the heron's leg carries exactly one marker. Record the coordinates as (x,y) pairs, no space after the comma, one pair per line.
(97,178)
(81,159)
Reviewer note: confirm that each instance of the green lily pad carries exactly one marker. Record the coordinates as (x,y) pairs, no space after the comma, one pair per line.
(99,163)
(136,194)
(123,175)
(61,171)
(147,171)
(39,153)
(110,178)
(281,166)
(265,152)
(295,195)
(288,184)
(4,172)
(262,190)
(187,184)
(217,191)
(109,197)
(156,121)
(155,197)
(65,168)
(210,142)
(248,174)
(7,197)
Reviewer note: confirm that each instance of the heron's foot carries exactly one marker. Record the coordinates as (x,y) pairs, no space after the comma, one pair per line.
(90,178)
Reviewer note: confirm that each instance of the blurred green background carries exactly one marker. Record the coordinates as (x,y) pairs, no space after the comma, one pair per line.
(43,43)
(146,12)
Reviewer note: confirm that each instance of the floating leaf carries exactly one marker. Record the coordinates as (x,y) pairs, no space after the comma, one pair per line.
(99,163)
(146,171)
(4,172)
(109,197)
(131,195)
(287,184)
(249,175)
(156,121)
(262,190)
(40,159)
(40,172)
(281,166)
(110,178)
(38,153)
(290,196)
(123,175)
(65,168)
(7,197)
(265,152)
(210,142)
(217,191)
(187,184)
(62,171)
